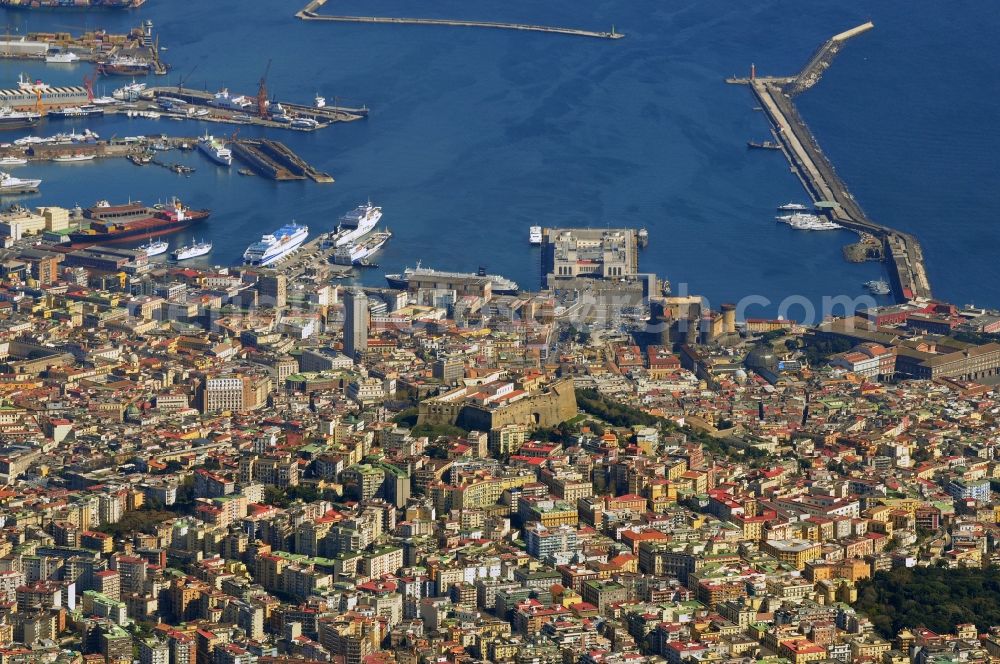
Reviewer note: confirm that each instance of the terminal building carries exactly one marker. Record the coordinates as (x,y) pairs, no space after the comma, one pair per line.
(569,254)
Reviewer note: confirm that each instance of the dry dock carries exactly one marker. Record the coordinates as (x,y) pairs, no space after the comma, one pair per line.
(274,160)
(901,250)
(308,13)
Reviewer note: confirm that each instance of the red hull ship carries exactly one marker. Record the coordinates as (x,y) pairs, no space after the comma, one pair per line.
(124,223)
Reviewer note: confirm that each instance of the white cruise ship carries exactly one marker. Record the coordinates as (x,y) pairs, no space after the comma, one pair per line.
(356,224)
(192,251)
(215,149)
(275,246)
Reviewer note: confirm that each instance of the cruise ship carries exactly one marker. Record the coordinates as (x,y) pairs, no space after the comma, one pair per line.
(154,247)
(215,149)
(353,253)
(192,251)
(355,224)
(275,246)
(12,185)
(501,285)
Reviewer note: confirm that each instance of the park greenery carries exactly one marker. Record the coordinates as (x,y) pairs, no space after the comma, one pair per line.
(932,597)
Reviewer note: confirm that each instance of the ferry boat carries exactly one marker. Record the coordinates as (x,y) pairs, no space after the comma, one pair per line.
(878,287)
(215,150)
(276,246)
(154,247)
(13,161)
(12,185)
(353,253)
(124,65)
(501,285)
(535,235)
(76,112)
(192,251)
(123,223)
(793,207)
(11,119)
(355,224)
(61,58)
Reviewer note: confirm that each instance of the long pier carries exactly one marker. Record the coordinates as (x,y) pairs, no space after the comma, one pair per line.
(308,13)
(901,250)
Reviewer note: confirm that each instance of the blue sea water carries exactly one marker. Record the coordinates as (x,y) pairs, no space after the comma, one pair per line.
(474,135)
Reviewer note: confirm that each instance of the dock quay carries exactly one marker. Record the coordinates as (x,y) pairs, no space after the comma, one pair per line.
(901,251)
(308,13)
(274,160)
(325,115)
(94,46)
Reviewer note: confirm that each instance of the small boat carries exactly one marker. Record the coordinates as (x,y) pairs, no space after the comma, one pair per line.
(764,145)
(793,207)
(154,247)
(878,286)
(13,161)
(245,171)
(535,235)
(70,158)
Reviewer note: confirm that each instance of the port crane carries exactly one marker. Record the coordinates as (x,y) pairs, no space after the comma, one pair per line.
(262,103)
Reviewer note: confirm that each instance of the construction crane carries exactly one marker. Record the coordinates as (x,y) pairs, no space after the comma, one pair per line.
(88,83)
(262,94)
(181,81)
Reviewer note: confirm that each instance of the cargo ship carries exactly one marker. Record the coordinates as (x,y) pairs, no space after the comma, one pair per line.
(276,246)
(501,285)
(71,4)
(124,65)
(353,253)
(121,223)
